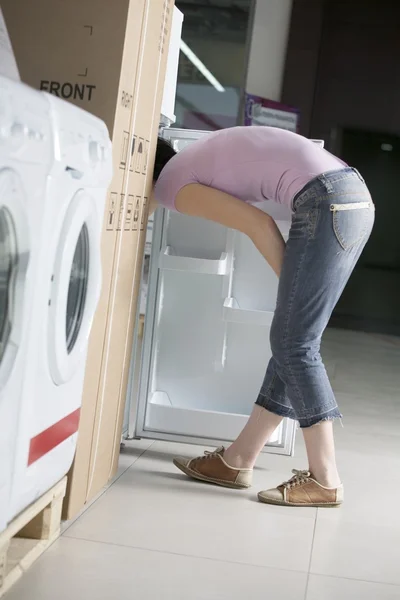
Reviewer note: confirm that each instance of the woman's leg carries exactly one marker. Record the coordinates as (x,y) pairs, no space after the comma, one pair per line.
(321,253)
(320,447)
(330,228)
(319,442)
(243,453)
(315,270)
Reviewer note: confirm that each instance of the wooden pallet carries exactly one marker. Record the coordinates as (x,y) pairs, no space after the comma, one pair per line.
(29,535)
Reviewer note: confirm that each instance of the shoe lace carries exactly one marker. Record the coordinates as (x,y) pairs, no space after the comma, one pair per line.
(299,477)
(208,454)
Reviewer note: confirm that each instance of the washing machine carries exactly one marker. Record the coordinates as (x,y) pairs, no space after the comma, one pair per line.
(68,289)
(26,155)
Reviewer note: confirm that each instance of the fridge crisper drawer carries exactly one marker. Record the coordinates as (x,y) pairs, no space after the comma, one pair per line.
(169,259)
(203,427)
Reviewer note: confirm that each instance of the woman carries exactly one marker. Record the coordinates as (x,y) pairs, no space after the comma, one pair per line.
(221,177)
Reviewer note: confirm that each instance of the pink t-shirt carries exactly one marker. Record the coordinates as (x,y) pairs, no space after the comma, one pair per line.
(253,164)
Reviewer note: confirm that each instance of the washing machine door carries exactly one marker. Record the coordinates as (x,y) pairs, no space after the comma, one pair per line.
(14,260)
(75,288)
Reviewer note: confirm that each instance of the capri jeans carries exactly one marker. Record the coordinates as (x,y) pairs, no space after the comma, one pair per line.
(332,220)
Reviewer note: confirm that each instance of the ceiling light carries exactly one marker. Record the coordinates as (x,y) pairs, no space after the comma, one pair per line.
(201,66)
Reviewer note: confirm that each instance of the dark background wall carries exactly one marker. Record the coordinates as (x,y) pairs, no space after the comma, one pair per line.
(343,72)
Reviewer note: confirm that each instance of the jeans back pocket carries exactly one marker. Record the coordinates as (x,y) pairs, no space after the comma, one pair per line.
(351,222)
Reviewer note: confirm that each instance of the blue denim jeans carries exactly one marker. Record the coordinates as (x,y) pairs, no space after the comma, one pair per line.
(332,220)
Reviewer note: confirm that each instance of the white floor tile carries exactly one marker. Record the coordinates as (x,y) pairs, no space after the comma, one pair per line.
(81,569)
(154,506)
(356,550)
(131,450)
(373,413)
(331,588)
(371,487)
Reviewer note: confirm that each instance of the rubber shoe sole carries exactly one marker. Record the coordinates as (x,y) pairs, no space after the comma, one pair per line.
(264,500)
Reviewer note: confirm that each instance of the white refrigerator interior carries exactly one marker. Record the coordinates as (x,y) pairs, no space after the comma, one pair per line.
(67,289)
(26,155)
(210,303)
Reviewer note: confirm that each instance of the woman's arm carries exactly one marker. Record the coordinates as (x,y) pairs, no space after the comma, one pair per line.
(152,205)
(206,202)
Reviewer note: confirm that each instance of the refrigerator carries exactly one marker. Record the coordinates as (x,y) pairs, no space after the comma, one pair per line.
(207,303)
(199,365)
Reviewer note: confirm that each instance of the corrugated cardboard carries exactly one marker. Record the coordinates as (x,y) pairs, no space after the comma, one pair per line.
(109,58)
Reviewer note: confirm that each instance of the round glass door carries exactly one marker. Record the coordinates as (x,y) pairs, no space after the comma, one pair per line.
(14,263)
(75,287)
(8,267)
(77,290)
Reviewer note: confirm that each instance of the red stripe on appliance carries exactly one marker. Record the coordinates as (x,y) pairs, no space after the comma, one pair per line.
(50,438)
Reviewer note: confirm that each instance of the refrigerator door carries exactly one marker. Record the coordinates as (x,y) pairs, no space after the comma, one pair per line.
(210,303)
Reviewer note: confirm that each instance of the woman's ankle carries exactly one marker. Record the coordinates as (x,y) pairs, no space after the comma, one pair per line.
(326,478)
(237,461)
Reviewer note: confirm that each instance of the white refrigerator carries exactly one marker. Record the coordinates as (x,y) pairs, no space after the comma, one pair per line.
(205,348)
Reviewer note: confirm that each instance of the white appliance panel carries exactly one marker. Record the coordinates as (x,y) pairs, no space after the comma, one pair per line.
(25,163)
(67,287)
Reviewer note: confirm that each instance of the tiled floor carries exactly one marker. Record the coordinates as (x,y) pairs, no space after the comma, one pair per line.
(154,534)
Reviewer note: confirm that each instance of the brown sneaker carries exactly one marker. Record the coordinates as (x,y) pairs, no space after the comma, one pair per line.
(213,469)
(303,490)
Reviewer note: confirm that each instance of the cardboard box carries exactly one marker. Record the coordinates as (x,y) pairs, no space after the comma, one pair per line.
(109,58)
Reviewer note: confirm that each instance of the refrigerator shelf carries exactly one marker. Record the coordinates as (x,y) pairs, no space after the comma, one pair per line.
(233,313)
(173,262)
(163,415)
